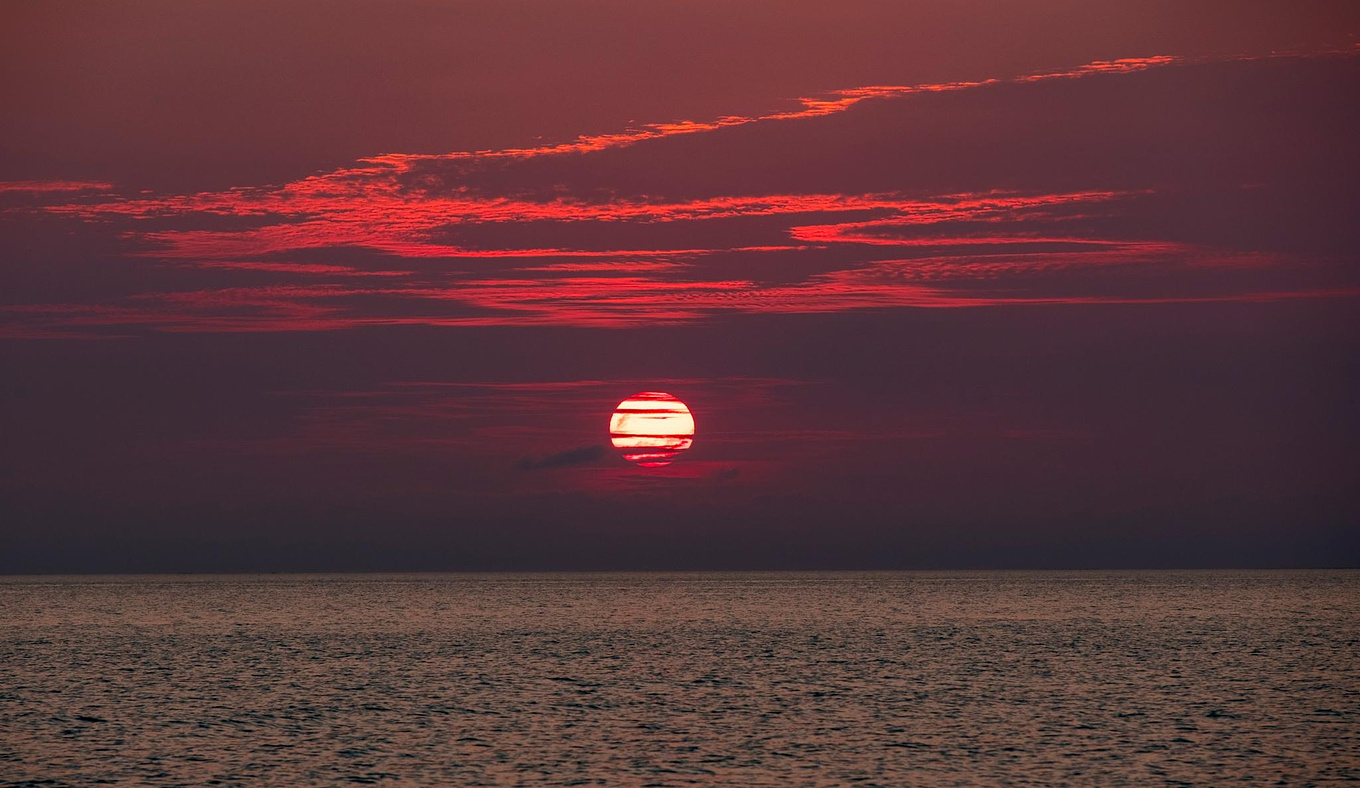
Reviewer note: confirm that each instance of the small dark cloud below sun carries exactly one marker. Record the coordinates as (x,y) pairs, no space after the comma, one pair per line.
(581,455)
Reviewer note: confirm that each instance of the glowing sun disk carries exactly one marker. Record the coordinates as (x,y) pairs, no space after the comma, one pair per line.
(651,428)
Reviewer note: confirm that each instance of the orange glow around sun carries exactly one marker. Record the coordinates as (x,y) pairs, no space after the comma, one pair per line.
(651,428)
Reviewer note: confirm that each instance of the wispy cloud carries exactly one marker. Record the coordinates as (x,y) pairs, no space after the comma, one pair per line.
(392,242)
(40,187)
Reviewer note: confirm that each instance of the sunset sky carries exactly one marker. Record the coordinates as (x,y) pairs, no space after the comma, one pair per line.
(358,285)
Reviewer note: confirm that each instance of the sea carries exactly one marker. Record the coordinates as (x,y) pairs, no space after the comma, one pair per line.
(657,679)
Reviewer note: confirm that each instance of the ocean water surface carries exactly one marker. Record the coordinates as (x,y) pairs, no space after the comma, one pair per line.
(817,679)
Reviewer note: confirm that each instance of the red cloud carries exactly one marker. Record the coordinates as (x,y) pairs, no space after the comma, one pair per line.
(382,243)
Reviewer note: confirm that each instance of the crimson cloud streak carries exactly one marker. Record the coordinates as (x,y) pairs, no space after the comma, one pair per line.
(673,222)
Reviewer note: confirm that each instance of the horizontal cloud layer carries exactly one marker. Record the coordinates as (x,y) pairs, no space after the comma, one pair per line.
(1148,180)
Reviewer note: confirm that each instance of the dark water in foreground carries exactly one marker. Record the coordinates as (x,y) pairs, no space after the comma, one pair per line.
(672,679)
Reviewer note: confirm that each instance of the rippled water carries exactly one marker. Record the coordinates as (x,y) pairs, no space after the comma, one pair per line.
(675,679)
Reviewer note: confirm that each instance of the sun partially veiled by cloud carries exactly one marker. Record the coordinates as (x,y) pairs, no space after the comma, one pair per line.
(601,231)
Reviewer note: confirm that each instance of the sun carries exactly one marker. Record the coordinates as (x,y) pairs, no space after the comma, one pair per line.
(651,428)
